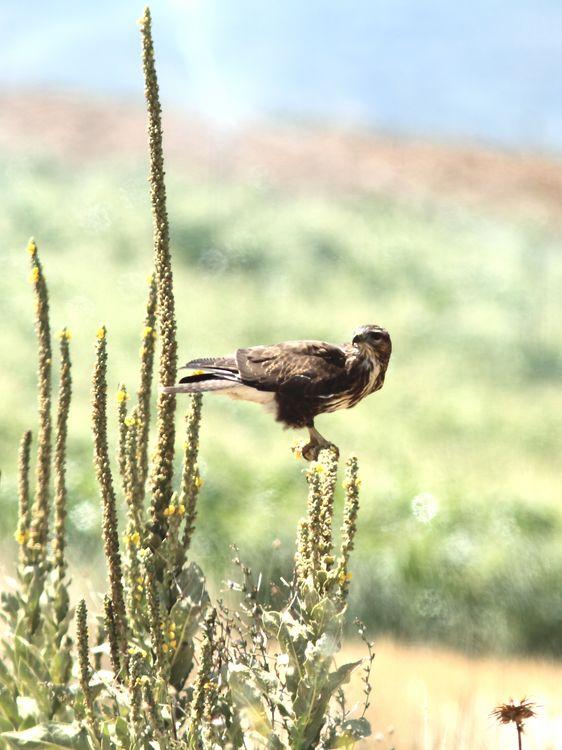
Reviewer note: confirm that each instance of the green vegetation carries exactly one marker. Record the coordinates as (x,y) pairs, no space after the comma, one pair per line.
(469,412)
(171,669)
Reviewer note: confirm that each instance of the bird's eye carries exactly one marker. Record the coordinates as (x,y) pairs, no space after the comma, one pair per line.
(376,336)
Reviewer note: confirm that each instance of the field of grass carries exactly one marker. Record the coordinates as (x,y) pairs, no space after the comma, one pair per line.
(460,525)
(431,699)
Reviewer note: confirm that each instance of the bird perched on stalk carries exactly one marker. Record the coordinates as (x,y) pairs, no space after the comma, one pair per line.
(297,380)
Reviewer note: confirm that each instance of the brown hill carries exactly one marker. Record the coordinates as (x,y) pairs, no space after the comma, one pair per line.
(76,129)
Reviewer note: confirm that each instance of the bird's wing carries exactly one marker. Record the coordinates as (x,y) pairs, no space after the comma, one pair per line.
(300,368)
(212,363)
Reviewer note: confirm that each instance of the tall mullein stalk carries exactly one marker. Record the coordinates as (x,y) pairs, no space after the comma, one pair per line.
(136,717)
(130,472)
(24,513)
(303,553)
(84,667)
(351,485)
(40,515)
(134,579)
(153,714)
(122,398)
(328,485)
(65,393)
(191,479)
(145,387)
(203,682)
(112,636)
(105,481)
(162,474)
(135,532)
(314,477)
(155,617)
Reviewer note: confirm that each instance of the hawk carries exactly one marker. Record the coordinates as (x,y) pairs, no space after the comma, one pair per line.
(297,380)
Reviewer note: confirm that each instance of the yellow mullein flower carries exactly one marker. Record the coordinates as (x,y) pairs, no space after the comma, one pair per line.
(65,334)
(101,333)
(122,395)
(20,536)
(297,446)
(31,247)
(133,539)
(130,421)
(34,278)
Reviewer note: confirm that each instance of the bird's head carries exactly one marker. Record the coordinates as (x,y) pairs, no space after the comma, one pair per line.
(371,338)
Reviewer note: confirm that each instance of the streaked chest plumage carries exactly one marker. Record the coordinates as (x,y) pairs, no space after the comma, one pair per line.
(364,374)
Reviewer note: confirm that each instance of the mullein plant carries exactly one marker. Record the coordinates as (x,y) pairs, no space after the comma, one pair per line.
(284,680)
(157,597)
(36,671)
(165,669)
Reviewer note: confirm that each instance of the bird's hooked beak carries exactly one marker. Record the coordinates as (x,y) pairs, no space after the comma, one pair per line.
(358,339)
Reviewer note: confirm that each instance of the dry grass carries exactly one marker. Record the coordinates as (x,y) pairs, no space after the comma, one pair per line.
(441,700)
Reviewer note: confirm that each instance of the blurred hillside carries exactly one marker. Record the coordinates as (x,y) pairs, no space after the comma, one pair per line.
(88,130)
(281,233)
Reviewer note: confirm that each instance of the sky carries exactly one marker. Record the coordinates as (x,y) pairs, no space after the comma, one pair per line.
(488,70)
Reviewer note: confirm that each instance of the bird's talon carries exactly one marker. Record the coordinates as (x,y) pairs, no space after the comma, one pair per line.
(310,451)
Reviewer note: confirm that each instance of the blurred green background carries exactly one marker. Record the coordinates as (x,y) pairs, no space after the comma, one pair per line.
(293,216)
(460,526)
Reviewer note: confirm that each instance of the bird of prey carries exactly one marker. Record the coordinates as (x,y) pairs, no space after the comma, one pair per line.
(297,380)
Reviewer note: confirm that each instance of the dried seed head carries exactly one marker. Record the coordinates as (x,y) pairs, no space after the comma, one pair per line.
(517,713)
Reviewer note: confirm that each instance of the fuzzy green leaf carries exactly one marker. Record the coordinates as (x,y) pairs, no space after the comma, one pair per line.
(49,737)
(340,676)
(182,664)
(8,707)
(249,700)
